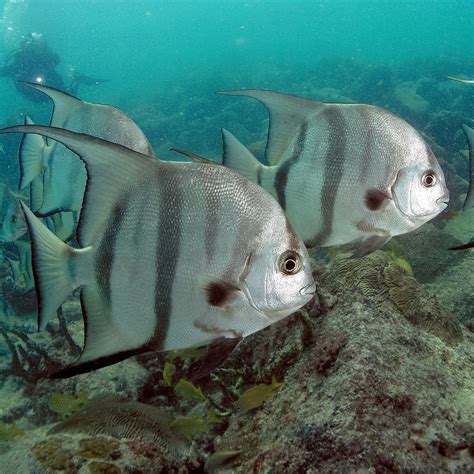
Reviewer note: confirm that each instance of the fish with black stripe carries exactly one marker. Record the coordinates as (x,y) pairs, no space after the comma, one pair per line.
(344,173)
(469,201)
(153,276)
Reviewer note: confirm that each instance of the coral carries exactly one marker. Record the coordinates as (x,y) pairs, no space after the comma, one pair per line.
(379,278)
(96,467)
(97,447)
(29,362)
(51,455)
(419,307)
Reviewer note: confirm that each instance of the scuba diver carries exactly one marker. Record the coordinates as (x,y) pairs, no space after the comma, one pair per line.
(34,61)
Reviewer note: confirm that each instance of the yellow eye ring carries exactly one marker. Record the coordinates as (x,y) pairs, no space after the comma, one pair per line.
(429,179)
(289,263)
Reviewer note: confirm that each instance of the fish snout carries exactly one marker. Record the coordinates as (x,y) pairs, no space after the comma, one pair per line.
(444,199)
(308,290)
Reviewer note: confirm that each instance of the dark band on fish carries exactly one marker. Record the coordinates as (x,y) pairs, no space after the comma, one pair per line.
(281,177)
(368,140)
(167,254)
(333,172)
(106,249)
(211,208)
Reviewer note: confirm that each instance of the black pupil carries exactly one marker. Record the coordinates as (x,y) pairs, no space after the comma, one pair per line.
(429,180)
(290,265)
(13,219)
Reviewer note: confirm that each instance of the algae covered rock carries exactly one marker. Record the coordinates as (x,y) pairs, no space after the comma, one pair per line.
(381,279)
(395,396)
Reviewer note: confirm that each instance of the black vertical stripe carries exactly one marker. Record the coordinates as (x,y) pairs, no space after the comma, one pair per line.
(333,172)
(167,254)
(211,207)
(368,138)
(106,250)
(281,178)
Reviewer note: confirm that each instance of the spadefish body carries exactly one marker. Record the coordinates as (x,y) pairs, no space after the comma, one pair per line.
(56,177)
(344,173)
(172,254)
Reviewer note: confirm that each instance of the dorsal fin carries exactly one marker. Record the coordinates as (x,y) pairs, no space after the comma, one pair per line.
(64,104)
(112,170)
(32,155)
(287,114)
(469,202)
(194,157)
(237,157)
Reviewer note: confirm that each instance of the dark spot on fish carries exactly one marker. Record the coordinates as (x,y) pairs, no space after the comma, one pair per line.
(219,293)
(374,199)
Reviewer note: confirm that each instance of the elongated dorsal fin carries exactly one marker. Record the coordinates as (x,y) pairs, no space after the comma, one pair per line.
(194,157)
(64,104)
(287,115)
(237,157)
(112,170)
(31,154)
(469,202)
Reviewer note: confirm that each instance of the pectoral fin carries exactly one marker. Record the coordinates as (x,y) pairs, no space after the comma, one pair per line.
(370,244)
(217,353)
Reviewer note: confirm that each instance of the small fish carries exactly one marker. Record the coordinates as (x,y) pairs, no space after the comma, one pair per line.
(188,426)
(58,179)
(186,389)
(9,432)
(344,173)
(168,372)
(222,458)
(256,396)
(464,81)
(67,404)
(171,255)
(12,220)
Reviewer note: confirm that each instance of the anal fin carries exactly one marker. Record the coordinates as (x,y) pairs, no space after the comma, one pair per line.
(104,345)
(369,245)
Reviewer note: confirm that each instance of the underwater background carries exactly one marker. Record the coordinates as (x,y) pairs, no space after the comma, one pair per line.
(377,375)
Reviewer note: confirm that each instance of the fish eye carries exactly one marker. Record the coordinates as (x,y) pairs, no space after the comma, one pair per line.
(13,219)
(289,263)
(429,179)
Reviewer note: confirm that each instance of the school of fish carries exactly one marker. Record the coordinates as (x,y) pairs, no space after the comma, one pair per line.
(170,255)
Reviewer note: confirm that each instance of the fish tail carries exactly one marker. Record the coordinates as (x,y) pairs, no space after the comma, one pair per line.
(237,157)
(54,268)
(31,156)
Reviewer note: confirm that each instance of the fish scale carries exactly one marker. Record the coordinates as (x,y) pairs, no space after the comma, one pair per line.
(344,173)
(147,282)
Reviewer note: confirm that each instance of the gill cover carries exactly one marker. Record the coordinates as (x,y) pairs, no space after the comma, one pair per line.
(420,192)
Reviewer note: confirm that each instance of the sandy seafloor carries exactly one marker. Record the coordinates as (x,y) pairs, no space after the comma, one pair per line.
(378,372)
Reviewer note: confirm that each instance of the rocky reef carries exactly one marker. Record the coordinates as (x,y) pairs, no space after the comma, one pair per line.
(376,375)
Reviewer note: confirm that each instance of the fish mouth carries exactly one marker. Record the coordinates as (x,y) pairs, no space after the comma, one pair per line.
(308,290)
